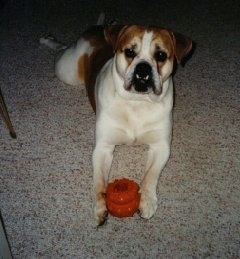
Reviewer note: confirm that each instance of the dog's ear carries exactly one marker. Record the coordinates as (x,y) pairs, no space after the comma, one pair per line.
(182,46)
(112,33)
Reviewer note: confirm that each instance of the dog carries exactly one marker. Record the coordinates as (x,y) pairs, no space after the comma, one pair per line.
(127,71)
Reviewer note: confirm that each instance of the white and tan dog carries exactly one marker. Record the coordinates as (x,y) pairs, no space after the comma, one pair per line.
(127,70)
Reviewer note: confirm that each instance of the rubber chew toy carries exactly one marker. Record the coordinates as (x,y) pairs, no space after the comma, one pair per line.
(122,198)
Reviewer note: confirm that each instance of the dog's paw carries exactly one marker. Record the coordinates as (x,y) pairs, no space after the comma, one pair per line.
(148,205)
(100,212)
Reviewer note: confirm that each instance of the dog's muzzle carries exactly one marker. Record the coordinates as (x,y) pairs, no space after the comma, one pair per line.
(143,78)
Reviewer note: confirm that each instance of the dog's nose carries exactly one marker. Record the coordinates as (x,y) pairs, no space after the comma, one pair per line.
(143,77)
(143,72)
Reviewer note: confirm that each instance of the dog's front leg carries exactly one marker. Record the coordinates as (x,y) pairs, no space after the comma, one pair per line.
(102,161)
(157,158)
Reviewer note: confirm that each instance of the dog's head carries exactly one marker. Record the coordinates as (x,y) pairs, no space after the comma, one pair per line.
(145,55)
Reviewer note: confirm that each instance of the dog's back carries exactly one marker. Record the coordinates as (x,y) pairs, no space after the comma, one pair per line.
(72,63)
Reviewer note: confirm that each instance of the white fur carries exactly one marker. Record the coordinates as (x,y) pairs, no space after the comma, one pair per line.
(146,44)
(67,64)
(126,117)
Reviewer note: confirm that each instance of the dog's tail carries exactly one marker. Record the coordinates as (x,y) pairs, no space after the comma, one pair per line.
(52,43)
(101,19)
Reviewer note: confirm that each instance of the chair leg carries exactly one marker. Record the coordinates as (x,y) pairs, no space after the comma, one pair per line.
(5,251)
(6,118)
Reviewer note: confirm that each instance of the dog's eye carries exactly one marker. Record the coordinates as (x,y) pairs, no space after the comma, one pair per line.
(160,56)
(129,53)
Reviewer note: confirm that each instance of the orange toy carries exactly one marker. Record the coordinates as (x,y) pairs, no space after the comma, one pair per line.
(122,198)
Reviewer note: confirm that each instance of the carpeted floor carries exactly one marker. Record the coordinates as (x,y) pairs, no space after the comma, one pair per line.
(46,173)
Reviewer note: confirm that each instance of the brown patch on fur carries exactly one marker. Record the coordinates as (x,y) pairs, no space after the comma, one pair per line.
(176,43)
(89,66)
(98,59)
(112,33)
(129,61)
(82,64)
(162,39)
(126,35)
(182,46)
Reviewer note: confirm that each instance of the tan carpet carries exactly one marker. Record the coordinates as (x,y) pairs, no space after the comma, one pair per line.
(46,173)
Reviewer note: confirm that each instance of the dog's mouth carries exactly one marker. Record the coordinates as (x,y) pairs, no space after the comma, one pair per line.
(143,88)
(143,80)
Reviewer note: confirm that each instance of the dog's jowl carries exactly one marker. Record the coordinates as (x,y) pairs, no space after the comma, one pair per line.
(127,71)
